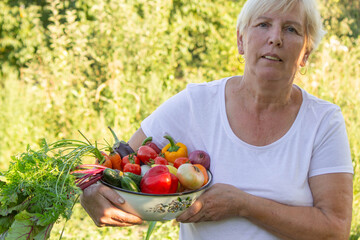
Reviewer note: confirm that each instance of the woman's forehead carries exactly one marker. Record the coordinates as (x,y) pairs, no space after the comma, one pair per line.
(295,14)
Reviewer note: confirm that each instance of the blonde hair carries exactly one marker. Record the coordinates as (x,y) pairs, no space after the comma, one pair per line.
(314,28)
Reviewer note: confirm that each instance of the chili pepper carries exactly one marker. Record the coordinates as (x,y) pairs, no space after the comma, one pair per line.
(121,147)
(148,142)
(173,151)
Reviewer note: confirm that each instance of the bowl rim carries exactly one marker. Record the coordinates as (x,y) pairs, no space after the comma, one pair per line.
(161,195)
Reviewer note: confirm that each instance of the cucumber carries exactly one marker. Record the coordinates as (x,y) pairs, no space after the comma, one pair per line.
(136,178)
(112,176)
(129,184)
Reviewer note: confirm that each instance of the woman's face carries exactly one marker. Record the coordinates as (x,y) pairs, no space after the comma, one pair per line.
(274,44)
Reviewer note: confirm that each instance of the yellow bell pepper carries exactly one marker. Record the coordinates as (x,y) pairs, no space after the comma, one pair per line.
(173,151)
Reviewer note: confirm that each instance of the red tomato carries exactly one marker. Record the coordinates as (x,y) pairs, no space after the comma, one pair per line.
(160,160)
(131,158)
(146,154)
(132,167)
(180,161)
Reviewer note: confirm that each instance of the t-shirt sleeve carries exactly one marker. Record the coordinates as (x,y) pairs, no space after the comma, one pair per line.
(331,152)
(170,118)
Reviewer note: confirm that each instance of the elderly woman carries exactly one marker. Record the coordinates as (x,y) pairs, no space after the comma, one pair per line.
(280,157)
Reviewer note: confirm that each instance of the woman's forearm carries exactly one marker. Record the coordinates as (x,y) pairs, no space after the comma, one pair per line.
(329,218)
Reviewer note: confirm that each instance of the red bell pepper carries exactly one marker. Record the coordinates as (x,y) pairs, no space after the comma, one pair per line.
(148,142)
(174,183)
(158,180)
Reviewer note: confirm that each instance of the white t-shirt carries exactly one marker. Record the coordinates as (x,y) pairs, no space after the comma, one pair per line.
(315,144)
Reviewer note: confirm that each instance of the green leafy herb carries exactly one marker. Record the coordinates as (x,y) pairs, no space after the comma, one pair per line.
(38,188)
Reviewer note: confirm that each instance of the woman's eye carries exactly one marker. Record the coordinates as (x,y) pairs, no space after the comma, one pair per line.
(262,25)
(291,29)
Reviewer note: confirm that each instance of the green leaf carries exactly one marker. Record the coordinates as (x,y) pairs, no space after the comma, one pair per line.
(25,227)
(17,208)
(22,228)
(5,223)
(150,229)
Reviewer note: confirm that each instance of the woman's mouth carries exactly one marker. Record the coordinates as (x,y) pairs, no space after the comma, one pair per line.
(273,58)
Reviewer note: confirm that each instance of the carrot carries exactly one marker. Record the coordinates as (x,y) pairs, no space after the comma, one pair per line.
(204,171)
(115,160)
(107,163)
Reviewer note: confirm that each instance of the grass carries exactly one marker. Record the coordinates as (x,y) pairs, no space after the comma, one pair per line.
(81,227)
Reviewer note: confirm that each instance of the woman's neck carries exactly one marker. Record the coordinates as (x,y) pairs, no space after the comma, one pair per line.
(263,95)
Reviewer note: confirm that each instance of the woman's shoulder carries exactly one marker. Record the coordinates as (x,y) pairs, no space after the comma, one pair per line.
(319,110)
(312,101)
(208,88)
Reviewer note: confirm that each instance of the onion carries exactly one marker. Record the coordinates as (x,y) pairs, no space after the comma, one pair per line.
(200,157)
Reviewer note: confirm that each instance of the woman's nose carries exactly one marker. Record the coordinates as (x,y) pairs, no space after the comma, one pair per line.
(275,36)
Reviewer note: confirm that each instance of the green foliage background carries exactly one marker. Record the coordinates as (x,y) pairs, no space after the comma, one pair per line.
(73,64)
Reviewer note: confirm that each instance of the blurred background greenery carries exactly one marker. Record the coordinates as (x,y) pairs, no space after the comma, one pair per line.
(74,64)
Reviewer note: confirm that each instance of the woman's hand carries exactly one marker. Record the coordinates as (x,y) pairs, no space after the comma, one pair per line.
(216,203)
(104,207)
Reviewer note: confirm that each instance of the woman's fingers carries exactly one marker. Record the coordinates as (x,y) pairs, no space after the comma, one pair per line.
(193,213)
(103,205)
(216,203)
(110,195)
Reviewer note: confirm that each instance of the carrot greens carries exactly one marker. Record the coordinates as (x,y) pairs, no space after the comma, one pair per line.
(38,188)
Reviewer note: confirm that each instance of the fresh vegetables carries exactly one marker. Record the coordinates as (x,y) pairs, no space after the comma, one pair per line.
(106,162)
(200,157)
(204,172)
(131,158)
(144,169)
(129,184)
(146,154)
(115,160)
(135,177)
(112,176)
(121,147)
(158,180)
(180,161)
(133,168)
(148,142)
(160,160)
(38,188)
(173,151)
(190,176)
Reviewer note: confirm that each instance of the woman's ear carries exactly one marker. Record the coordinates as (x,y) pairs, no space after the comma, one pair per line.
(240,43)
(304,59)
